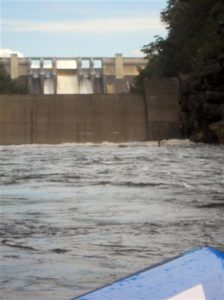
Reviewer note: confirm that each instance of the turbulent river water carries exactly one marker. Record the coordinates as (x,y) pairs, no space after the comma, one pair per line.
(75,217)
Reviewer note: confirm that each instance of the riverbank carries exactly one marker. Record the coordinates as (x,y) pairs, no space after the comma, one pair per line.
(202,103)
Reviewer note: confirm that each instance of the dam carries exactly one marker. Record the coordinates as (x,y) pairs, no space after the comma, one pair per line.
(81,100)
(75,75)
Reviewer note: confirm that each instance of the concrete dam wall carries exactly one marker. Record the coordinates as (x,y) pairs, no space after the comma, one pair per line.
(163,112)
(75,75)
(52,119)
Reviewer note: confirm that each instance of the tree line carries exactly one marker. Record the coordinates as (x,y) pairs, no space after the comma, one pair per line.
(10,86)
(193,51)
(195,34)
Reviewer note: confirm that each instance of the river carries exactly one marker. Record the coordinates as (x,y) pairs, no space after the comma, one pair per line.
(75,217)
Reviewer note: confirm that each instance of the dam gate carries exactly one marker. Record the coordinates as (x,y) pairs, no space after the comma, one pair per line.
(75,75)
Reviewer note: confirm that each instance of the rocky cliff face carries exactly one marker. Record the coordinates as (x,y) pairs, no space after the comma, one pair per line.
(202,103)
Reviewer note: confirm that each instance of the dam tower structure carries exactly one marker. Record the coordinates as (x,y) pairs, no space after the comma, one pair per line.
(75,75)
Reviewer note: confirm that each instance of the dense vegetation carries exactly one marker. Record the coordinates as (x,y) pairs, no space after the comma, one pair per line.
(9,86)
(193,51)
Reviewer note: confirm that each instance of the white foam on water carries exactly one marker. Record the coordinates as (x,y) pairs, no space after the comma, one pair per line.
(176,142)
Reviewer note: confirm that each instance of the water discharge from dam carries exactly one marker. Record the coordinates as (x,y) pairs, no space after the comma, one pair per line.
(49,86)
(68,84)
(86,86)
(77,216)
(71,84)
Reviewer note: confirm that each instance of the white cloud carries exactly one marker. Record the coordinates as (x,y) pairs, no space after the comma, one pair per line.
(100,26)
(8,52)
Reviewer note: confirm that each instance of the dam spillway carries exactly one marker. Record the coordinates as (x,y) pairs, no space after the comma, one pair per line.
(75,75)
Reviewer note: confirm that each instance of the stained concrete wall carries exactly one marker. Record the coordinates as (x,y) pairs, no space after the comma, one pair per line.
(52,119)
(162,108)
(55,119)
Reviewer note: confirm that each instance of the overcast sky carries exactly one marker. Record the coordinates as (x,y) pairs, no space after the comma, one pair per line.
(80,28)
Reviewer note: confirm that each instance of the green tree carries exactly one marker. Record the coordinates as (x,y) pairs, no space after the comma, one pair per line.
(9,86)
(193,36)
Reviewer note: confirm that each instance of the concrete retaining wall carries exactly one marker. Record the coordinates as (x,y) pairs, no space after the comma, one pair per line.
(52,119)
(71,118)
(162,108)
